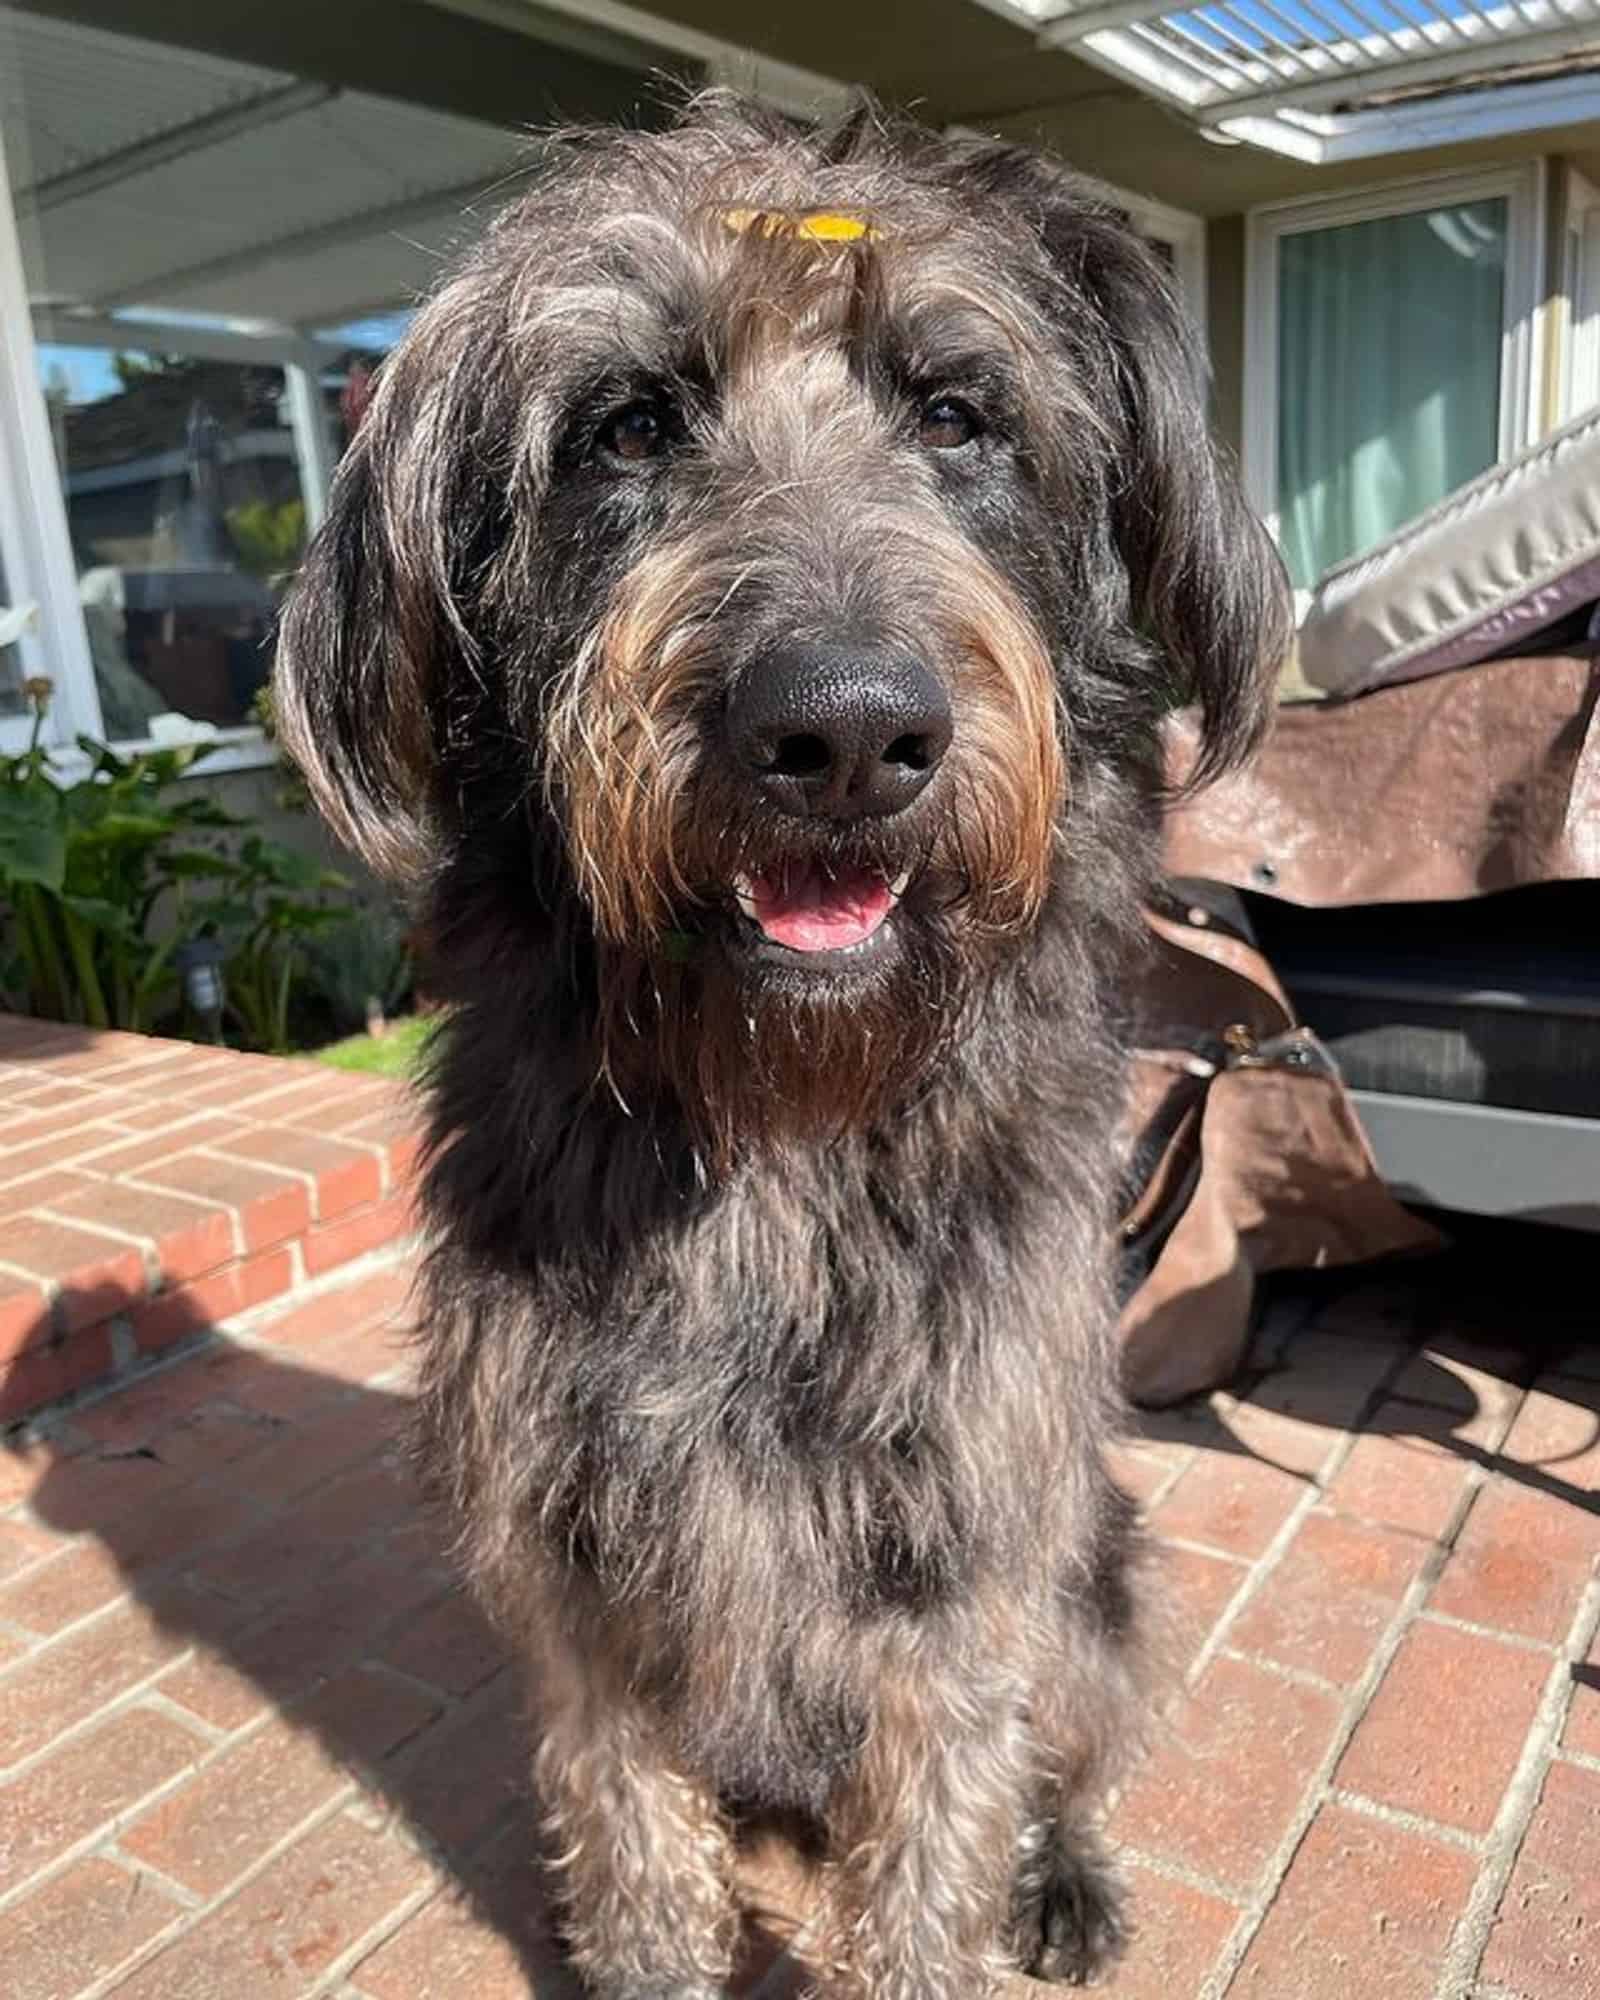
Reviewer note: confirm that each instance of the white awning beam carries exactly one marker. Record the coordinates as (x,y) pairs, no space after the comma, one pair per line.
(1300,76)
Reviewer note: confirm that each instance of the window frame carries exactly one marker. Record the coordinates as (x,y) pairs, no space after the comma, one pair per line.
(1578,387)
(1522,186)
(1185,235)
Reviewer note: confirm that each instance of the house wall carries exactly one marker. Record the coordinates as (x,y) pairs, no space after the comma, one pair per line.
(1225,327)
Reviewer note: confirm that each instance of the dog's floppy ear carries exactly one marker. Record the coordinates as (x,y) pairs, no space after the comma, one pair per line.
(1208,592)
(374,631)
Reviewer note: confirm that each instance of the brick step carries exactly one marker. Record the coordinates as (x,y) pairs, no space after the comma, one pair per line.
(149,1188)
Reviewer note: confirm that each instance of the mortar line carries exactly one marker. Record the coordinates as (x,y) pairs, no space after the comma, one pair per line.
(1470,1937)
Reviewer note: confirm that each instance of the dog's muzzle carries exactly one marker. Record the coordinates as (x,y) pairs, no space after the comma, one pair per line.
(837,732)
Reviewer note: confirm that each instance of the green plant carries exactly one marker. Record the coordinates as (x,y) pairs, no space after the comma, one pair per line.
(83,867)
(266,917)
(362,966)
(268,536)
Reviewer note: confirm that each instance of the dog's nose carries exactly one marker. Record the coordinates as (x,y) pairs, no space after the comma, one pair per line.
(843,731)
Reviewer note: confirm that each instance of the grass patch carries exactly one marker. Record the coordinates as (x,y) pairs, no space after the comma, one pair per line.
(397,1053)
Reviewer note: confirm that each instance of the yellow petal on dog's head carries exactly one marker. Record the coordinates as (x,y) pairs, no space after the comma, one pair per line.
(818,228)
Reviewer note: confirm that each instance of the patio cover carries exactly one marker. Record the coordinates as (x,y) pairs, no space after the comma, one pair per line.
(1323,80)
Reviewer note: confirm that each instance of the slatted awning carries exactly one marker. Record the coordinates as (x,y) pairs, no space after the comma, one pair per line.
(1333,79)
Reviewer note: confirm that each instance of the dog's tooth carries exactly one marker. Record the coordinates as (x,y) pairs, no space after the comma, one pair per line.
(744,894)
(900,884)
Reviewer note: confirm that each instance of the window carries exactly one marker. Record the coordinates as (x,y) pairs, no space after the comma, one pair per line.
(201,260)
(1390,355)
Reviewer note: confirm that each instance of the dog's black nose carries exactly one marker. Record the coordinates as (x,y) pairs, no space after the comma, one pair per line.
(844,731)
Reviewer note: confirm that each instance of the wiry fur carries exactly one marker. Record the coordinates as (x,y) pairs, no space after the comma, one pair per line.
(768,1336)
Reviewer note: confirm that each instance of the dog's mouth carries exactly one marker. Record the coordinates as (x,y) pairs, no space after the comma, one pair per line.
(815,909)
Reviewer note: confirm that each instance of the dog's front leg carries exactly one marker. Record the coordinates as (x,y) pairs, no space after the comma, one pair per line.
(642,1856)
(926,1829)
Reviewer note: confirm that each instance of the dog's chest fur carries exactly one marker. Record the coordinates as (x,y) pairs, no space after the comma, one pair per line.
(760,1440)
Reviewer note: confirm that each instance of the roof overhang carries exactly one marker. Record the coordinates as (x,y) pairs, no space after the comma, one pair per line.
(1328,80)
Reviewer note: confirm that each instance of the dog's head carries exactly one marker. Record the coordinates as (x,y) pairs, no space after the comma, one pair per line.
(789,534)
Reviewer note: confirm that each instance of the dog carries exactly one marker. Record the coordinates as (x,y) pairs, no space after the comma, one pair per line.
(747,615)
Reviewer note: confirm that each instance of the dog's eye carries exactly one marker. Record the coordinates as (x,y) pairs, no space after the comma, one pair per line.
(635,433)
(946,424)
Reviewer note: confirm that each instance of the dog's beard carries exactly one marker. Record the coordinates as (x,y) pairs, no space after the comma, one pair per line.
(760,1049)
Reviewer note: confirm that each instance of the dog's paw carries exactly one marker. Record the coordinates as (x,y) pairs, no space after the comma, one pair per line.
(1074,1927)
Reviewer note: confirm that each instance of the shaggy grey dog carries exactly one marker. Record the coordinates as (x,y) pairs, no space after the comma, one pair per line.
(749,611)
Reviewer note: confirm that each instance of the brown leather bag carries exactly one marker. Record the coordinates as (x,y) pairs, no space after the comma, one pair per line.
(1244,1156)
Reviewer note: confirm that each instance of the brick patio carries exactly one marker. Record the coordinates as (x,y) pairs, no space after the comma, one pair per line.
(254,1743)
(149,1188)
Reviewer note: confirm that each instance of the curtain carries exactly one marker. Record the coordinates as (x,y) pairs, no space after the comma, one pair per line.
(1388,373)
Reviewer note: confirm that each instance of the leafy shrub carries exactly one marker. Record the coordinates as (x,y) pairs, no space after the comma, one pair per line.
(104,878)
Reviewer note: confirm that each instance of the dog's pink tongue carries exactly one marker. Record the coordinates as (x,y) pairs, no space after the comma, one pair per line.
(808,909)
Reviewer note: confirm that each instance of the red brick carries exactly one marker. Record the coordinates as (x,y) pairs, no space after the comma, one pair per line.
(364,1715)
(276,1939)
(471,1767)
(1582,1732)
(57,1153)
(195,1308)
(1446,1727)
(183,1133)
(68,1682)
(352,1305)
(39,1096)
(342,1176)
(1450,1374)
(1140,1474)
(1293,1444)
(453,1946)
(327,1441)
(79,1928)
(209,1687)
(268,1205)
(1330,1596)
(1520,1564)
(39,1191)
(353,1235)
(46,1374)
(1221,1794)
(97,1274)
(1543,1943)
(210,1830)
(87,1107)
(87,1784)
(80,1578)
(247,1080)
(1178,1937)
(1189,1591)
(1405,1473)
(25,1318)
(24,1466)
(371,1353)
(24,1545)
(140,1510)
(1366,1908)
(1557,1434)
(1229,1502)
(185,1238)
(450,1646)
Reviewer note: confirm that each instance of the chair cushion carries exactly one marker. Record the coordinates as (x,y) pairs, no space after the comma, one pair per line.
(1494,563)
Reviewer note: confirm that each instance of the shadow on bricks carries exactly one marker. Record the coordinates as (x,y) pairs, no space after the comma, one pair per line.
(1434,1353)
(263,1515)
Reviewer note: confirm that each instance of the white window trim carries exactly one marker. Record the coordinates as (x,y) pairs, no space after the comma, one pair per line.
(33,517)
(1580,287)
(1184,233)
(1521,343)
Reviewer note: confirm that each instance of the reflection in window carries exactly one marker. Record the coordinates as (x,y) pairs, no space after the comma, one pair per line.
(12,700)
(187,518)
